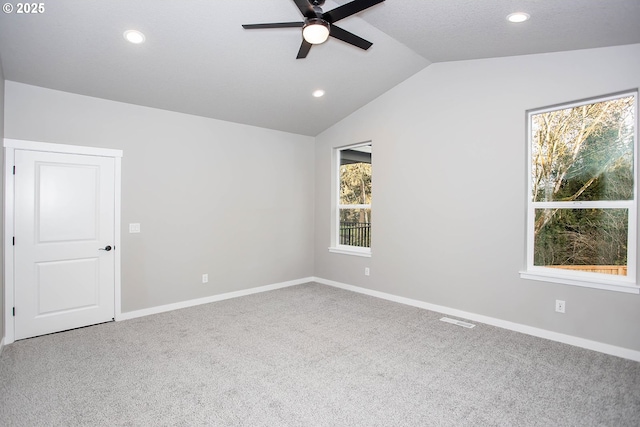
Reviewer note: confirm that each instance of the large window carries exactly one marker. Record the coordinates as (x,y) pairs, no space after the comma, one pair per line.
(582,193)
(352,223)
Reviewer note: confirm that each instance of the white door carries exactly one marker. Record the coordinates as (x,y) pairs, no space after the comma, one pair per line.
(64,241)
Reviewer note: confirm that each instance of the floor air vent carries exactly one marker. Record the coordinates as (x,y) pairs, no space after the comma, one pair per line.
(458,322)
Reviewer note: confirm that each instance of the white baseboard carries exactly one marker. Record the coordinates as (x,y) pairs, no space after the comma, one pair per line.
(512,326)
(207,300)
(1,345)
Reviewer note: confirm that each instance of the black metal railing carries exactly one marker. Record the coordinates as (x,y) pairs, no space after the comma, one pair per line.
(355,234)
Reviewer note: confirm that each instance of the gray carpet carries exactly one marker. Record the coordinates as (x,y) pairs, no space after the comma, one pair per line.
(310,355)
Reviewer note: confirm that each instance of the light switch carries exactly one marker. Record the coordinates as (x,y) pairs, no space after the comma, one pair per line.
(134,228)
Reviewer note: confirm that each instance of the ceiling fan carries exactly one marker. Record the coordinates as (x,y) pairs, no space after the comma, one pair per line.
(318,25)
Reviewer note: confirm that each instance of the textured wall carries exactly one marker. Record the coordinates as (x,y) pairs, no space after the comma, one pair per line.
(449,182)
(213,197)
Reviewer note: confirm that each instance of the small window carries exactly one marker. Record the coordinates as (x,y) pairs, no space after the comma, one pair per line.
(352,224)
(582,194)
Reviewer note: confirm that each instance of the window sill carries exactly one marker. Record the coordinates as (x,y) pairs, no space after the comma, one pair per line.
(598,282)
(351,250)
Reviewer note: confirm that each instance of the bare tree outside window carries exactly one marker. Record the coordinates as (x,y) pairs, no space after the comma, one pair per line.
(582,184)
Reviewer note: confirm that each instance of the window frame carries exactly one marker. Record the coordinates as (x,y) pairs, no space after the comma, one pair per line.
(336,206)
(626,283)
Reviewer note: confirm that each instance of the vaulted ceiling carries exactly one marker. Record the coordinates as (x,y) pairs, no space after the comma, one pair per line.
(197,58)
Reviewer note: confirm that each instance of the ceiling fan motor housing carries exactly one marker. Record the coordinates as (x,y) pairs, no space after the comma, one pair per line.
(318,25)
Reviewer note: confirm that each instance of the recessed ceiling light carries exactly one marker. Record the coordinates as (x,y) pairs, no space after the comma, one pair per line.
(518,17)
(133,36)
(318,93)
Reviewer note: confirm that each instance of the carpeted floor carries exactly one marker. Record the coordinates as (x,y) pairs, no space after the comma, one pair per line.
(310,355)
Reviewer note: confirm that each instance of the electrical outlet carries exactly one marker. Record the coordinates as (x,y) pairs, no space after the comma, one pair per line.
(205,278)
(560,306)
(366,271)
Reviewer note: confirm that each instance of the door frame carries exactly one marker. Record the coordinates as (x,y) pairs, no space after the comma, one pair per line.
(10,145)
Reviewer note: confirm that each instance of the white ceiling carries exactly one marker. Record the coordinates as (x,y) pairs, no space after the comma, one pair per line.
(197,58)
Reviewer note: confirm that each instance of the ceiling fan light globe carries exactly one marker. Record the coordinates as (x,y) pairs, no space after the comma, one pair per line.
(316,31)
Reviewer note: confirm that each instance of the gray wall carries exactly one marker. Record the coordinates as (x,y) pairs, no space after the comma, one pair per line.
(214,197)
(2,198)
(239,202)
(449,159)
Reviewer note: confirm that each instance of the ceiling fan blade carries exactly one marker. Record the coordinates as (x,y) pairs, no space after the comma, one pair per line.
(348,9)
(305,47)
(273,25)
(350,38)
(305,8)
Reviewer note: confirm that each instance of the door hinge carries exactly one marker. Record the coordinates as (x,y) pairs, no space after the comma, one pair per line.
(14,312)
(14,170)
(14,240)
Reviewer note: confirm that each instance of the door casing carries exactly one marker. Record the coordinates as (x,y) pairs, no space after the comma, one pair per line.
(10,145)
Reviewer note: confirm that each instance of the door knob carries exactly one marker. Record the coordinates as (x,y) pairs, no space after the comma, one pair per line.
(106,248)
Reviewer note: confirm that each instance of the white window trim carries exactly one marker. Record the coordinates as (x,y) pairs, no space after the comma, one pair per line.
(336,247)
(594,280)
(628,283)
(350,250)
